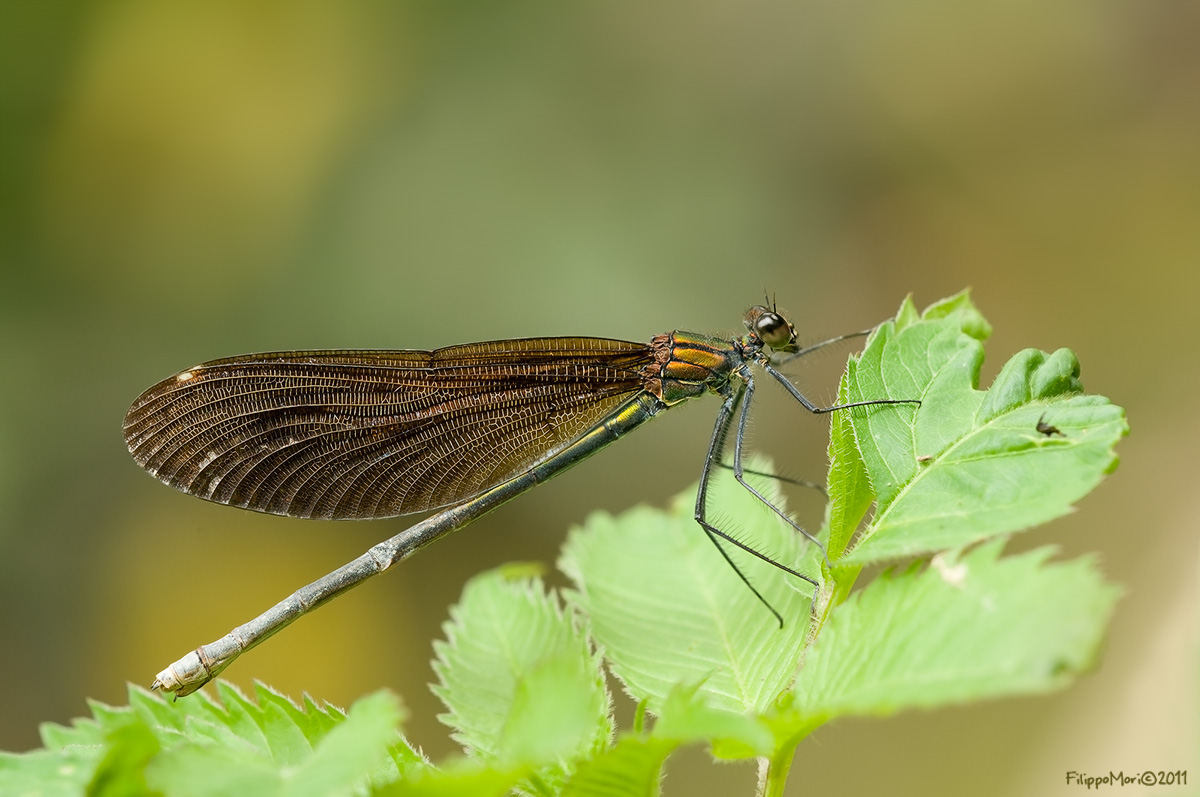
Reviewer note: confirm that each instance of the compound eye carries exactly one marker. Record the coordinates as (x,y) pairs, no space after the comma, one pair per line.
(773,330)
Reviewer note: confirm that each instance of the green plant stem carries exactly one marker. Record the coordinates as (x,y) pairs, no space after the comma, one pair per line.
(773,771)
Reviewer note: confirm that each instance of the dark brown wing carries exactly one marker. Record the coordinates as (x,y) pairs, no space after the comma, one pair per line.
(370,434)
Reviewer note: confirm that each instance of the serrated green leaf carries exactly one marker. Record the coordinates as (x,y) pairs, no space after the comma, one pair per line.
(81,732)
(49,773)
(121,772)
(551,718)
(668,609)
(351,753)
(687,718)
(968,464)
(510,646)
(197,746)
(153,711)
(286,728)
(632,768)
(191,770)
(244,718)
(907,315)
(406,758)
(961,308)
(201,717)
(634,765)
(965,628)
(459,778)
(341,761)
(849,487)
(109,718)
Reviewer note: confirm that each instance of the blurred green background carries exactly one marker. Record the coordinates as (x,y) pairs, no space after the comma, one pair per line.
(183,181)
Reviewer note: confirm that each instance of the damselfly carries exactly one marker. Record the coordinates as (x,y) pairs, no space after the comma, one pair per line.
(375,434)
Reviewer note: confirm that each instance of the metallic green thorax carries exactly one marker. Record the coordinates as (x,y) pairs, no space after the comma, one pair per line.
(688,365)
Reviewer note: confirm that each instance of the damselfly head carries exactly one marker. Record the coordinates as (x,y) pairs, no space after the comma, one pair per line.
(771,328)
